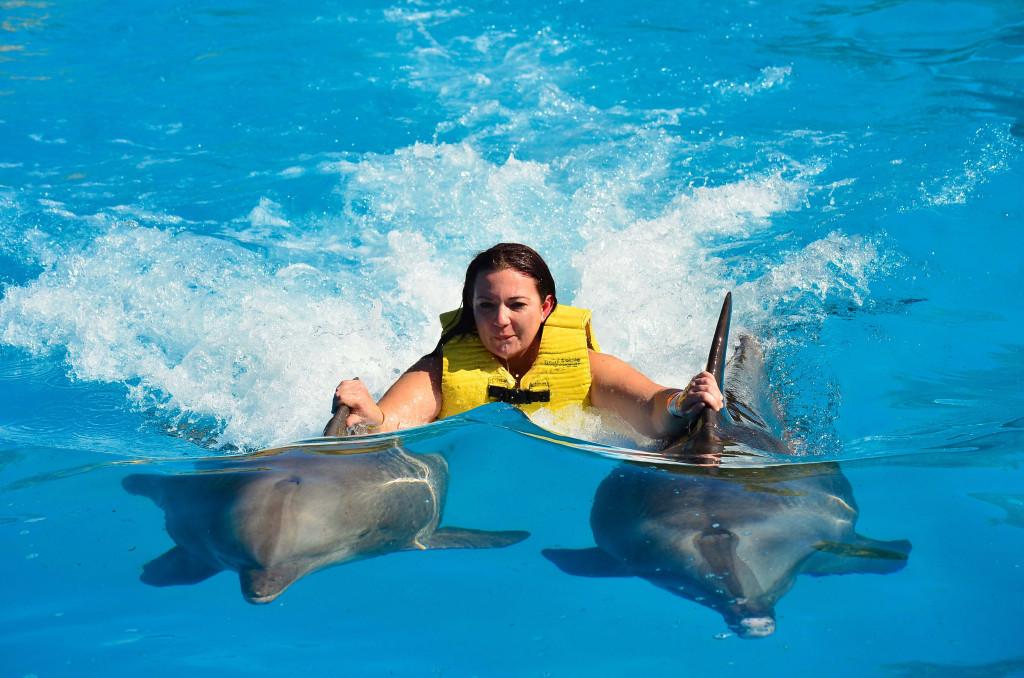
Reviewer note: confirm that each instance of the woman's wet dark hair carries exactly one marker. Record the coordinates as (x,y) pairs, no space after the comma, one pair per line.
(505,255)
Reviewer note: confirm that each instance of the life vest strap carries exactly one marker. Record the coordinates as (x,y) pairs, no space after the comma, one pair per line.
(517,396)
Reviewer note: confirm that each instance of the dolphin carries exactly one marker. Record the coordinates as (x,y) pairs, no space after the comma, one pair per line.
(733,540)
(276,517)
(1013,504)
(746,423)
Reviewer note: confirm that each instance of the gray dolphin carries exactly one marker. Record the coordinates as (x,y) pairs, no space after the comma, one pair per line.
(746,422)
(276,517)
(1013,504)
(733,540)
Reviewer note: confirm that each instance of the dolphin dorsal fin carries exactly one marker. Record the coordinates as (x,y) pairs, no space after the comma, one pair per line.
(720,342)
(716,360)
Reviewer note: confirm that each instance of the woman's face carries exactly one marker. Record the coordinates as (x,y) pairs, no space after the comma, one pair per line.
(508,311)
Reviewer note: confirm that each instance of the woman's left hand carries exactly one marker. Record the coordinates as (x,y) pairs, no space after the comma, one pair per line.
(702,392)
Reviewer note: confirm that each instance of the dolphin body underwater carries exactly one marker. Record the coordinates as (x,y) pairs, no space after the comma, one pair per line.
(733,540)
(274,518)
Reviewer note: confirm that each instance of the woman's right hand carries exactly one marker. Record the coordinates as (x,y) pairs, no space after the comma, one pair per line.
(362,408)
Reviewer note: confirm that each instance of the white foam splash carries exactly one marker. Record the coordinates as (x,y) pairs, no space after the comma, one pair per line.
(422,287)
(837,267)
(146,215)
(199,328)
(770,78)
(408,16)
(987,153)
(267,214)
(451,189)
(252,330)
(655,287)
(591,424)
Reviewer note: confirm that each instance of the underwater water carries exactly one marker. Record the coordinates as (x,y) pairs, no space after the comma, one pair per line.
(212,212)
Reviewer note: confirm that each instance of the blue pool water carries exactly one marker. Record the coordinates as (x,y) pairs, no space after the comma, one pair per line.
(210,213)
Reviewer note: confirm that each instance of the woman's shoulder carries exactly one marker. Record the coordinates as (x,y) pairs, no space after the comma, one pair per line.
(601,363)
(431,362)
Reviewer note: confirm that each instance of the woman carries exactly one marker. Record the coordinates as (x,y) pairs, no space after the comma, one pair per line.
(511,341)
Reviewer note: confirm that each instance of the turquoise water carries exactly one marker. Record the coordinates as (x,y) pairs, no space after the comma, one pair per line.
(209,214)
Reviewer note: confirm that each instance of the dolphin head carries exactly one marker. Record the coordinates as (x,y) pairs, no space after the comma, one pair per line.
(749,614)
(750,611)
(747,617)
(308,513)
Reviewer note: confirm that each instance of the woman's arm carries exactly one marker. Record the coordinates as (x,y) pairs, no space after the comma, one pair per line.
(412,400)
(617,387)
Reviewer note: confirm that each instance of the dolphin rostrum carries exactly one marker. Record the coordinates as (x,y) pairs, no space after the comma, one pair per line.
(733,539)
(275,518)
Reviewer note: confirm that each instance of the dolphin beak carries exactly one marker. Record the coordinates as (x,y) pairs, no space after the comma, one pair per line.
(755,627)
(259,600)
(263,586)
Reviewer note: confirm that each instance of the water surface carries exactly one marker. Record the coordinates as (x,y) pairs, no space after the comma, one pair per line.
(210,213)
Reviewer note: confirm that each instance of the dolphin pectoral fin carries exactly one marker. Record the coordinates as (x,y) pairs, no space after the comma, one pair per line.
(859,556)
(145,485)
(592,562)
(176,567)
(465,538)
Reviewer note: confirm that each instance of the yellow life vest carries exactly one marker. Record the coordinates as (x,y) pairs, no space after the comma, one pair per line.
(471,376)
